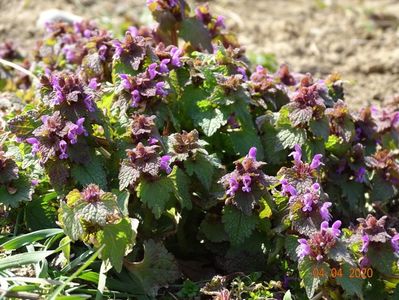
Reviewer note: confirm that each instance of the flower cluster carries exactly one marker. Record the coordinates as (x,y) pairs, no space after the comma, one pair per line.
(214,25)
(301,174)
(247,179)
(143,161)
(142,128)
(52,138)
(385,163)
(80,40)
(69,92)
(318,245)
(184,145)
(372,232)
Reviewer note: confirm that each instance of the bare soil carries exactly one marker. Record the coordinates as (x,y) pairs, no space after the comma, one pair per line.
(358,39)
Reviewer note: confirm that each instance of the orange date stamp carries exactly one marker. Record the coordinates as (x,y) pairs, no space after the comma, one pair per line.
(362,273)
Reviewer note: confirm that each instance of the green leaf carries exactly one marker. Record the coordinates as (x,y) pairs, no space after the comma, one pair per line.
(192,30)
(244,139)
(382,190)
(122,200)
(291,244)
(266,211)
(352,286)
(128,174)
(301,116)
(320,128)
(354,193)
(307,269)
(237,224)
(211,120)
(116,238)
(21,190)
(71,222)
(202,167)
(155,194)
(41,213)
(336,145)
(181,183)
(92,172)
(287,295)
(157,269)
(21,259)
(30,238)
(289,137)
(382,258)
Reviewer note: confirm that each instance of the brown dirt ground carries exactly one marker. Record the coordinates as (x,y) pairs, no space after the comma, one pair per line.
(359,39)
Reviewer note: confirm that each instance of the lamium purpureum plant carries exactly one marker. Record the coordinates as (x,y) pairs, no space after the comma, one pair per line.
(162,156)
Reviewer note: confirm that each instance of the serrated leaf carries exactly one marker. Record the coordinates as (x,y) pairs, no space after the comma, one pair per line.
(237,224)
(92,172)
(22,190)
(244,139)
(181,183)
(306,269)
(301,116)
(203,167)
(289,137)
(291,244)
(127,175)
(266,211)
(155,194)
(71,223)
(352,286)
(194,31)
(116,238)
(157,269)
(382,190)
(382,259)
(213,229)
(320,128)
(211,120)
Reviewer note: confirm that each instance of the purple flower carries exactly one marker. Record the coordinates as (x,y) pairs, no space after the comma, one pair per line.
(69,54)
(315,187)
(304,249)
(319,257)
(324,212)
(118,49)
(173,3)
(316,162)
(175,53)
(88,101)
(364,262)
(307,202)
(125,82)
(395,242)
(63,148)
(35,144)
(136,98)
(361,175)
(75,130)
(287,189)
(335,228)
(243,72)
(152,72)
(159,86)
(163,66)
(297,154)
(220,22)
(165,163)
(93,84)
(102,51)
(252,153)
(34,182)
(366,242)
(246,180)
(152,141)
(233,187)
(133,31)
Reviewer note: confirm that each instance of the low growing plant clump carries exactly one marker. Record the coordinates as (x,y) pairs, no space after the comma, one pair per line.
(158,164)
